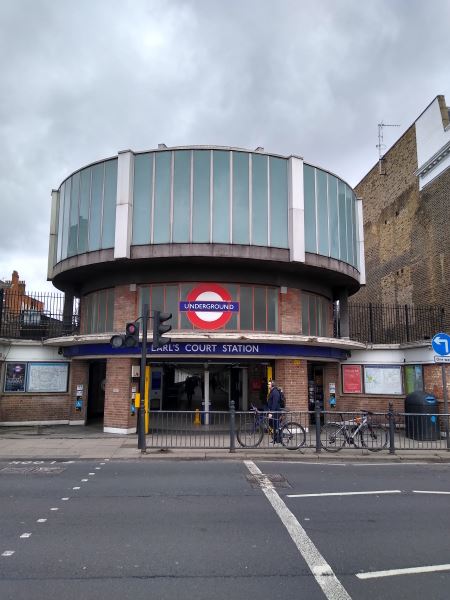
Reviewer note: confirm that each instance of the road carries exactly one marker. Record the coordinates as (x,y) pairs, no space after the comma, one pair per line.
(223,529)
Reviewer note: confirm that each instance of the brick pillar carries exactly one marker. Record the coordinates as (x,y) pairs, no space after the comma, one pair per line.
(292,376)
(125,306)
(79,376)
(290,317)
(330,375)
(118,418)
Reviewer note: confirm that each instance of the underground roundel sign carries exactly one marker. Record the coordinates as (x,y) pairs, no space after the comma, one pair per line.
(209,306)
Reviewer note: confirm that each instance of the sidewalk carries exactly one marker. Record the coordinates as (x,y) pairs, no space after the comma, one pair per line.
(82,443)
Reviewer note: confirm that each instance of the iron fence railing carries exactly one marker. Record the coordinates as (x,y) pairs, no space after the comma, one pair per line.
(37,315)
(321,431)
(392,323)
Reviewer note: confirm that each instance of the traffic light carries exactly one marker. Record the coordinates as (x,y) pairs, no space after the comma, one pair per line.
(159,329)
(130,339)
(131,335)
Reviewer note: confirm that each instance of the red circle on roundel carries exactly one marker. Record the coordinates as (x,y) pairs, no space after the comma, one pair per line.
(215,292)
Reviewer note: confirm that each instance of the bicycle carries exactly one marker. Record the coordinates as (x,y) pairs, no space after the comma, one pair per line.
(360,433)
(252,427)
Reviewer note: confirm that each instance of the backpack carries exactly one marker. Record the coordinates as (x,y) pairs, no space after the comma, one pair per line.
(282,399)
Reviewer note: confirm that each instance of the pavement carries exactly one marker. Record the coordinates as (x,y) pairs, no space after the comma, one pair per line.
(64,442)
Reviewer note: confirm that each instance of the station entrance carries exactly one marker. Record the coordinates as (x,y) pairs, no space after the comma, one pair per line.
(208,386)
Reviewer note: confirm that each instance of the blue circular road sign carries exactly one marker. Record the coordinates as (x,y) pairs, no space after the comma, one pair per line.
(441,344)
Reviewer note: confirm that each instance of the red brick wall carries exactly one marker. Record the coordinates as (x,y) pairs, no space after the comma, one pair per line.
(34,407)
(118,393)
(125,307)
(432,380)
(290,311)
(292,376)
(79,376)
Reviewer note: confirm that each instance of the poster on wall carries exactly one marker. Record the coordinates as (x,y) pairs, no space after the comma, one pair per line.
(15,377)
(351,379)
(383,380)
(47,377)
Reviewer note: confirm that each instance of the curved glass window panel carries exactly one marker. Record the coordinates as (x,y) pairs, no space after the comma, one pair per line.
(246,308)
(161,224)
(312,316)
(342,221)
(349,218)
(322,213)
(95,218)
(260,309)
(315,315)
(85,200)
(171,304)
(232,324)
(60,221)
(260,200)
(73,218)
(240,198)
(305,314)
(109,204)
(278,202)
(98,314)
(181,196)
(310,209)
(333,215)
(157,302)
(185,288)
(272,309)
(142,198)
(201,200)
(221,197)
(144,298)
(109,325)
(66,223)
(325,320)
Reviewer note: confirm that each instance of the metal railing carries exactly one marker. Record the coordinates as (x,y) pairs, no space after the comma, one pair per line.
(393,323)
(326,431)
(36,316)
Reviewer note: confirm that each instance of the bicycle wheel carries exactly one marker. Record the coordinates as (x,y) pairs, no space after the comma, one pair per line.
(292,435)
(249,433)
(374,437)
(333,437)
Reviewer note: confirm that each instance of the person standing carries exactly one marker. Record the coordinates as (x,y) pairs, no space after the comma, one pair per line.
(274,406)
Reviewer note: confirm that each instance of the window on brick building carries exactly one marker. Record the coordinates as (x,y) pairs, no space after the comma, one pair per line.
(98,314)
(315,315)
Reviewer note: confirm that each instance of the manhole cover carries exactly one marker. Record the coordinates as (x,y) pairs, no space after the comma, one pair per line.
(276,479)
(32,470)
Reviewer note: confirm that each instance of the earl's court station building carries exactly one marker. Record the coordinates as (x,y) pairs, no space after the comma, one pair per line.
(248,250)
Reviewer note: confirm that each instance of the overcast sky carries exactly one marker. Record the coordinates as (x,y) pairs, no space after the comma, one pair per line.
(81,80)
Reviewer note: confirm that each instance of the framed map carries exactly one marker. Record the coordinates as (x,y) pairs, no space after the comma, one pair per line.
(47,377)
(383,380)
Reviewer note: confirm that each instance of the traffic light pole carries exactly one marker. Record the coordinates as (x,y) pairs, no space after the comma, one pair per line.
(142,442)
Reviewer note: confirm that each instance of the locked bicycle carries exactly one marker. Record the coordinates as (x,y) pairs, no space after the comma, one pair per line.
(255,424)
(359,432)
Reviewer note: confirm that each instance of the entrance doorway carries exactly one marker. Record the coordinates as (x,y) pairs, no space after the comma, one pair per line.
(315,389)
(96,393)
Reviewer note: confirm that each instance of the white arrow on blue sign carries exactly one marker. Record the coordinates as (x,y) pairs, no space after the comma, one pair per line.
(441,344)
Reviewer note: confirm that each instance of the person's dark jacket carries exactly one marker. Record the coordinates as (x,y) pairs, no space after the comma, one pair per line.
(273,402)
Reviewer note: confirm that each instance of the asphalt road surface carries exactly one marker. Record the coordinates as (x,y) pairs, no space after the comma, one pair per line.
(224,530)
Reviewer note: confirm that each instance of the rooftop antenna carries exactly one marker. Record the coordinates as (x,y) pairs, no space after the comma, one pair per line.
(380,144)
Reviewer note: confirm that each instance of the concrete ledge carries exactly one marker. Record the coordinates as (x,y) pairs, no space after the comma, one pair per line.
(119,430)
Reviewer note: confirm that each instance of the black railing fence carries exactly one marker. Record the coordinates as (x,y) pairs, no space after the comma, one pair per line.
(393,323)
(36,316)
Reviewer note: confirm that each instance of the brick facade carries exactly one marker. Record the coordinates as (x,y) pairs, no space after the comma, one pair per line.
(292,376)
(125,306)
(118,393)
(290,311)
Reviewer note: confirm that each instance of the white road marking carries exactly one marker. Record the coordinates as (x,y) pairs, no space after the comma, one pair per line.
(98,468)
(76,488)
(91,473)
(8,552)
(323,573)
(54,508)
(85,480)
(410,571)
(25,535)
(65,498)
(41,520)
(425,492)
(343,494)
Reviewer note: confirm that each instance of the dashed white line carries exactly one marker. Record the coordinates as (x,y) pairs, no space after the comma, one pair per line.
(25,535)
(343,494)
(91,473)
(54,508)
(409,571)
(8,552)
(41,520)
(76,487)
(323,573)
(85,480)
(66,498)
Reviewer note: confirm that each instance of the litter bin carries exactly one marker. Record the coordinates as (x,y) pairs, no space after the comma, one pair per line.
(423,423)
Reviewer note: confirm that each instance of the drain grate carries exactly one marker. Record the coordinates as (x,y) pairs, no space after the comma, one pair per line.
(276,479)
(31,470)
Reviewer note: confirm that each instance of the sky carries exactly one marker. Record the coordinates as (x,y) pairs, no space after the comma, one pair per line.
(83,80)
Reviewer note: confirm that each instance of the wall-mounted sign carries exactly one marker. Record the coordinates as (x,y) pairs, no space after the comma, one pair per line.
(209,306)
(383,379)
(351,379)
(48,377)
(15,377)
